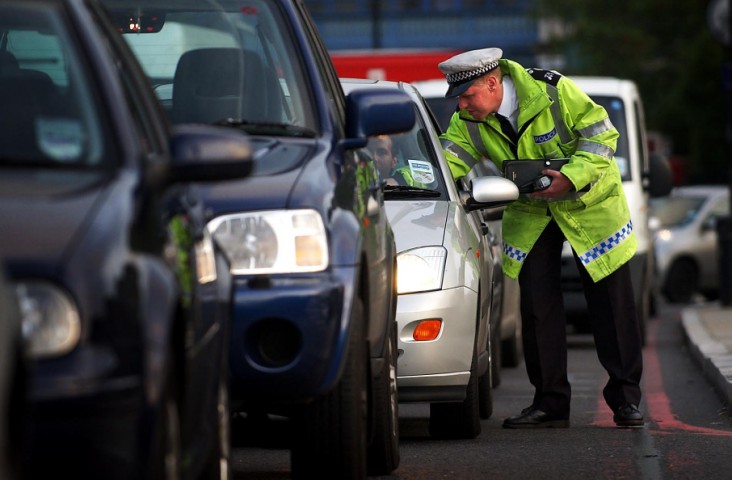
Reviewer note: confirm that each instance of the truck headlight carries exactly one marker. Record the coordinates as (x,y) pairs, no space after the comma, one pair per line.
(278,241)
(421,269)
(51,323)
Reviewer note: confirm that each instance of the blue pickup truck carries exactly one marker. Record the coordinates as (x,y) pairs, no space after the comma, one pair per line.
(311,250)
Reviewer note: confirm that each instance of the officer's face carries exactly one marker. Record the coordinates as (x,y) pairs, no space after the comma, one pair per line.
(482,98)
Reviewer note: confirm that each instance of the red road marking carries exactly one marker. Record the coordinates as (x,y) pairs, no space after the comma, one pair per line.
(657,402)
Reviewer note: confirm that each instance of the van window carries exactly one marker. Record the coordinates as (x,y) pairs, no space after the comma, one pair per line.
(616,111)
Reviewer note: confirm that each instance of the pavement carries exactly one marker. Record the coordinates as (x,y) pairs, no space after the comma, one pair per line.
(708,330)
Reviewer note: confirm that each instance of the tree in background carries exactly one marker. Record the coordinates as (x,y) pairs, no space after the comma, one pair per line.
(668,49)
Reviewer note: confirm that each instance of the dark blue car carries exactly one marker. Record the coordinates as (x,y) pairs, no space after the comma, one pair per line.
(124,294)
(311,250)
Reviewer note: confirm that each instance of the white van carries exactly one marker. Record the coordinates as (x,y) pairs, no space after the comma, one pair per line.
(643,176)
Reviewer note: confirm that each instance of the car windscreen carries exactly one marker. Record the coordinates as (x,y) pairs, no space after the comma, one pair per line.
(676,211)
(48,117)
(221,62)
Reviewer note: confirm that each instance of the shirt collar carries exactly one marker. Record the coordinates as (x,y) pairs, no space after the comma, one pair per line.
(509,104)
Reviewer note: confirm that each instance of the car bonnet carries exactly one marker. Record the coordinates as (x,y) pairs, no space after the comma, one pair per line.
(417,223)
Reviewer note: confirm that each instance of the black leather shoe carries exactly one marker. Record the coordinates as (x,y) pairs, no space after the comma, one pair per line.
(628,415)
(534,418)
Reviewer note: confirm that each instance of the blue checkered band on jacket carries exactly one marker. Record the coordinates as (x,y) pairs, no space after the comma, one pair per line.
(460,77)
(606,245)
(514,253)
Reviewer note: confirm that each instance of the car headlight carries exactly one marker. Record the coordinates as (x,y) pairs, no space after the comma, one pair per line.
(278,241)
(51,323)
(664,235)
(421,269)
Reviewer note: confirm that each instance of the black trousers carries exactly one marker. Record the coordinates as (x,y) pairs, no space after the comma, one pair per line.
(612,318)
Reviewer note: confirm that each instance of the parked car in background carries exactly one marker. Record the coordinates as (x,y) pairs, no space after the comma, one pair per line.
(13,384)
(510,348)
(311,250)
(447,275)
(687,252)
(123,293)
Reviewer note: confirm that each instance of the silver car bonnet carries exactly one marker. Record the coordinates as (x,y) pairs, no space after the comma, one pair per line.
(417,223)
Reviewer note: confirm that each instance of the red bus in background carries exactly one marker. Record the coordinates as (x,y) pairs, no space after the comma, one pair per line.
(396,65)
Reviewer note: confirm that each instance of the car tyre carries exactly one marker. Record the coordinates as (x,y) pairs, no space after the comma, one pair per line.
(682,281)
(512,349)
(453,420)
(383,451)
(485,393)
(330,432)
(166,455)
(217,466)
(496,357)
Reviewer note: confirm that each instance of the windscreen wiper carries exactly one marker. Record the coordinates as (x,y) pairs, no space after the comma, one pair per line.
(267,128)
(404,191)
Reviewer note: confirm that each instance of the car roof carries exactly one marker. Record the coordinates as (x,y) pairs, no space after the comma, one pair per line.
(431,88)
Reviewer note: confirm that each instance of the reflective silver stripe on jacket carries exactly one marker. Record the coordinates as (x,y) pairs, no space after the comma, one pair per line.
(564,134)
(606,245)
(474,132)
(596,128)
(596,148)
(514,253)
(458,151)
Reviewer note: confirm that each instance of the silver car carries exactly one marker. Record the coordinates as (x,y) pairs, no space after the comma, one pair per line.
(446,273)
(508,347)
(686,240)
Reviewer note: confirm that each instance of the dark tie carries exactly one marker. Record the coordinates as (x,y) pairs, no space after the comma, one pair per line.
(507,128)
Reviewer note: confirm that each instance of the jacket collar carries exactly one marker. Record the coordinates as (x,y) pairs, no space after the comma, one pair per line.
(532,97)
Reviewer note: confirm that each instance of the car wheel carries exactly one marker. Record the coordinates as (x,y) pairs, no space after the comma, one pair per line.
(14,438)
(217,466)
(450,420)
(330,432)
(682,281)
(383,451)
(166,454)
(485,393)
(512,349)
(496,357)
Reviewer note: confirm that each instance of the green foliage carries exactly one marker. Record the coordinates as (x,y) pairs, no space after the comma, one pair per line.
(668,49)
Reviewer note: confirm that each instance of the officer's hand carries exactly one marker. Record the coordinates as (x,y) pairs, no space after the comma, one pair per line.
(559,187)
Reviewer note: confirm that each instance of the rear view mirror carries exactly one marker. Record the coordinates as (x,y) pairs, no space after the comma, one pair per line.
(138,22)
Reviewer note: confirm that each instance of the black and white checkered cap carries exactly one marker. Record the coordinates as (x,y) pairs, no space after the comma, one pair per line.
(462,69)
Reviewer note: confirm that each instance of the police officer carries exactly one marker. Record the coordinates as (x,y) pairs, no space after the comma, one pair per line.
(508,112)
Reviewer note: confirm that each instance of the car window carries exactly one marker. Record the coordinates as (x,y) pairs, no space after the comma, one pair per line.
(413,161)
(220,62)
(48,116)
(442,108)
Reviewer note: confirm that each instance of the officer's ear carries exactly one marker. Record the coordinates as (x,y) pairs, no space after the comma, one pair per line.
(491,82)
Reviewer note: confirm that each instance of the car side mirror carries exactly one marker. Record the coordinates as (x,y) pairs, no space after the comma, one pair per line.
(489,192)
(204,153)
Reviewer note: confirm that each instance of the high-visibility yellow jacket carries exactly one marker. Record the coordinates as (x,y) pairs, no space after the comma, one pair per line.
(556,120)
